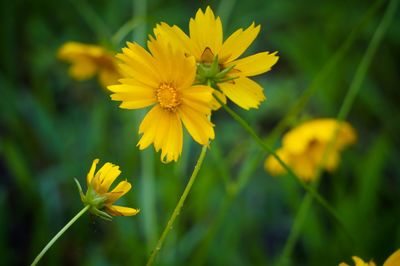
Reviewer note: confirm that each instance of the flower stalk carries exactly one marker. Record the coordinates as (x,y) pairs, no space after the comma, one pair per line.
(269,150)
(59,234)
(178,207)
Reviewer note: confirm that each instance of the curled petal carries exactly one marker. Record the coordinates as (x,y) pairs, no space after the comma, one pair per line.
(90,175)
(121,189)
(121,211)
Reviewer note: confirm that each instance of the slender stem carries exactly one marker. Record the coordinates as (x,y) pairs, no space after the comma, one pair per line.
(178,206)
(59,234)
(266,148)
(253,161)
(344,111)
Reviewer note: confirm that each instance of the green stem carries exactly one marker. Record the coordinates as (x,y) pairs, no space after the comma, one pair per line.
(58,235)
(253,161)
(266,148)
(344,111)
(178,206)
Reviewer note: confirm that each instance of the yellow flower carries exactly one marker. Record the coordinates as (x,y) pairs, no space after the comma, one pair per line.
(99,197)
(164,79)
(206,44)
(87,60)
(393,260)
(303,147)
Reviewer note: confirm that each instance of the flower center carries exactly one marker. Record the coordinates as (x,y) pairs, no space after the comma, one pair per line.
(168,97)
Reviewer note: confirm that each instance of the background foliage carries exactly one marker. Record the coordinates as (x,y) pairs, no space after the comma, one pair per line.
(52,127)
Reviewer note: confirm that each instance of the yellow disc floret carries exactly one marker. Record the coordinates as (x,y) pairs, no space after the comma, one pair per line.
(168,97)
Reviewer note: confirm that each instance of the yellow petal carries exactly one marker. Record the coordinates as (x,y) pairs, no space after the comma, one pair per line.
(393,260)
(83,69)
(172,142)
(164,129)
(360,262)
(298,139)
(175,36)
(254,64)
(108,77)
(72,51)
(197,124)
(304,167)
(148,127)
(121,211)
(198,97)
(205,32)
(237,43)
(108,178)
(215,105)
(244,92)
(99,177)
(272,166)
(121,189)
(133,97)
(174,66)
(90,175)
(139,64)
(134,72)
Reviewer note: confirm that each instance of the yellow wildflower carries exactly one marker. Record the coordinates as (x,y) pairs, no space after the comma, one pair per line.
(393,260)
(303,147)
(165,80)
(99,197)
(206,45)
(87,60)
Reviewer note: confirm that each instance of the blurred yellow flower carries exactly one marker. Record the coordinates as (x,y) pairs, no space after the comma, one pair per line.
(164,79)
(393,260)
(88,60)
(99,197)
(303,147)
(206,45)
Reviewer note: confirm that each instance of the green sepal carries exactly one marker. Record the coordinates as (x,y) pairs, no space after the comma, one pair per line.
(100,214)
(212,74)
(80,190)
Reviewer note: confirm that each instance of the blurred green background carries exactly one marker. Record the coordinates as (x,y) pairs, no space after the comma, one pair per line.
(52,127)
